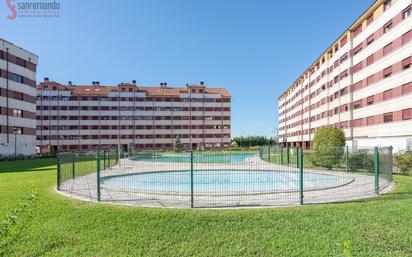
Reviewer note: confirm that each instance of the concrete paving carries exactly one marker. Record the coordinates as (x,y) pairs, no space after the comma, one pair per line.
(350,186)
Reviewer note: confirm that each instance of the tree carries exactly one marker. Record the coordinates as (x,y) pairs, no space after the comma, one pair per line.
(250,141)
(328,146)
(178,144)
(234,144)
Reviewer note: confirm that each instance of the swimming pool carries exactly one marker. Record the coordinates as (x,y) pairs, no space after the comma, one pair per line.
(222,181)
(197,158)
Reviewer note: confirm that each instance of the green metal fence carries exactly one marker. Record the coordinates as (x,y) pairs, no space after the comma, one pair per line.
(273,176)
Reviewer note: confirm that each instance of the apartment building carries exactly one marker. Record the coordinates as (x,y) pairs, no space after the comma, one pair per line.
(131,117)
(361,83)
(17,100)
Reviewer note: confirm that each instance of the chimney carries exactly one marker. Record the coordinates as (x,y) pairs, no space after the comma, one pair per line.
(134,82)
(161,84)
(97,82)
(165,84)
(46,79)
(202,83)
(93,82)
(70,83)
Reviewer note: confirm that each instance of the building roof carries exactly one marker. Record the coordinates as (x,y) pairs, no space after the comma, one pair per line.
(98,90)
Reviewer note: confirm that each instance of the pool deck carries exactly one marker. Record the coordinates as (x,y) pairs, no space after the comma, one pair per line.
(355,186)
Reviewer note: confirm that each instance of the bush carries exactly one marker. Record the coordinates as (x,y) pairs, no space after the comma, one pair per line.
(360,161)
(328,147)
(178,144)
(234,144)
(404,162)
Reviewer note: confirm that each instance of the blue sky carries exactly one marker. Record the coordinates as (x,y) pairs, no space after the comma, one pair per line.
(254,48)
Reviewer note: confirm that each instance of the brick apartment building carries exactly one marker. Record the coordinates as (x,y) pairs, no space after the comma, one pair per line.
(17,100)
(133,117)
(362,83)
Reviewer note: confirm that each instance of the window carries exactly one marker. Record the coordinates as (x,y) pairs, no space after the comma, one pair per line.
(357,49)
(407,13)
(387,5)
(357,31)
(357,67)
(336,79)
(17,113)
(370,120)
(343,58)
(388,117)
(343,41)
(387,72)
(357,86)
(370,100)
(406,63)
(387,27)
(370,60)
(387,49)
(343,74)
(357,104)
(388,94)
(407,114)
(17,78)
(407,88)
(370,80)
(406,37)
(357,123)
(370,39)
(17,130)
(369,20)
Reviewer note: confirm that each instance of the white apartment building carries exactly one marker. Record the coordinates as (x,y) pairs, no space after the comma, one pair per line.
(130,116)
(17,100)
(362,83)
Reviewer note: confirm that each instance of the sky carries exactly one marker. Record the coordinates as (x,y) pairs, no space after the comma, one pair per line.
(253,48)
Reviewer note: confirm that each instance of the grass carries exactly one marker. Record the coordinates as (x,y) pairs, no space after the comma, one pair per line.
(48,224)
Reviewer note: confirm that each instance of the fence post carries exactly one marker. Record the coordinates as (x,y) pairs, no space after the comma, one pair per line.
(118,155)
(376,169)
(191,180)
(301,176)
(346,158)
(98,174)
(281,155)
(73,165)
(58,171)
(288,155)
(108,159)
(104,159)
(391,161)
(297,157)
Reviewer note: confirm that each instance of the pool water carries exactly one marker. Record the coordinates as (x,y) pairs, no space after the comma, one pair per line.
(218,181)
(197,158)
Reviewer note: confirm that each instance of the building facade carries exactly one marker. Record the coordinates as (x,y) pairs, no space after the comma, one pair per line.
(17,100)
(131,117)
(362,83)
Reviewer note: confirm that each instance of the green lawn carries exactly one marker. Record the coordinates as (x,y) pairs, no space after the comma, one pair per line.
(52,225)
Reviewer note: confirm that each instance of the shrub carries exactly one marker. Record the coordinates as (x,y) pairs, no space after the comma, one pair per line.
(178,144)
(328,147)
(234,144)
(360,161)
(404,162)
